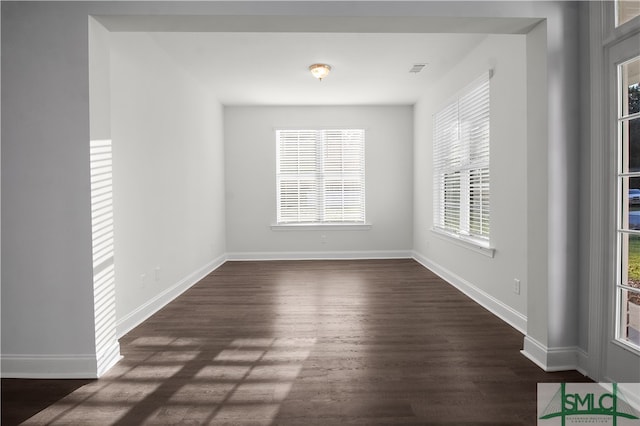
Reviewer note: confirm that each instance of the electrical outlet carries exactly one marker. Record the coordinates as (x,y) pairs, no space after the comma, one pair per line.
(143,278)
(516,286)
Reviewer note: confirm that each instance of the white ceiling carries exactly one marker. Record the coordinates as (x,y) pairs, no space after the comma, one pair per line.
(263,60)
(272,68)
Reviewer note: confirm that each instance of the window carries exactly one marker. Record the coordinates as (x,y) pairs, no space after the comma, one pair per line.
(626,10)
(461,164)
(320,176)
(628,129)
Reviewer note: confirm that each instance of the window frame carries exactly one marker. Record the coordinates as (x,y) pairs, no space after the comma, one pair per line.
(320,177)
(624,232)
(462,145)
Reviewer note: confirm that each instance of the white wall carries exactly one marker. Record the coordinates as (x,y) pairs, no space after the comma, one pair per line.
(99,81)
(506,55)
(585,174)
(107,346)
(47,293)
(537,188)
(168,177)
(251,180)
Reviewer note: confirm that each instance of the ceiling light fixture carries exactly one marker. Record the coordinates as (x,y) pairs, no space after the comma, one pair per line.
(320,71)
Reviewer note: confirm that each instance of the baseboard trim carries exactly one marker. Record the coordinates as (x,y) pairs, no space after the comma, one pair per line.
(553,359)
(582,364)
(49,366)
(108,358)
(143,312)
(509,315)
(320,255)
(535,352)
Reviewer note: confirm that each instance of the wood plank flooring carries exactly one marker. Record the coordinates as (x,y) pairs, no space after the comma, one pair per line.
(305,343)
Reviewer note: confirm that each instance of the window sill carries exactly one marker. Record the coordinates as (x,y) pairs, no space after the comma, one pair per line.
(466,243)
(322,227)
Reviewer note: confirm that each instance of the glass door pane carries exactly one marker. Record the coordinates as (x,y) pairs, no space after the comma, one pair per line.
(628,282)
(629,320)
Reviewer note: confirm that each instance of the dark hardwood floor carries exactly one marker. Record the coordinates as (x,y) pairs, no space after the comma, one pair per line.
(305,343)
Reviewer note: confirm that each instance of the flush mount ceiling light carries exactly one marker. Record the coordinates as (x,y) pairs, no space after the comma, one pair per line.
(320,71)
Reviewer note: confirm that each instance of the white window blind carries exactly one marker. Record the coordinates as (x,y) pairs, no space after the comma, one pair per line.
(461,163)
(320,176)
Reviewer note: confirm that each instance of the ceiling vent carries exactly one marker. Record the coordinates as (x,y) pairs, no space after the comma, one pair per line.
(416,68)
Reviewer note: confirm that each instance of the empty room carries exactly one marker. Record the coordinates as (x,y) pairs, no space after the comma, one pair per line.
(311,212)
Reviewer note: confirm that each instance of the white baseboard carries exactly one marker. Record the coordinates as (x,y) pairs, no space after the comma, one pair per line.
(108,358)
(553,359)
(562,359)
(143,312)
(549,359)
(49,366)
(582,365)
(73,366)
(535,351)
(86,366)
(493,305)
(321,255)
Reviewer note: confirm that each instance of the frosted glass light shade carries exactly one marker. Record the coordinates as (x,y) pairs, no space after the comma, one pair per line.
(320,71)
